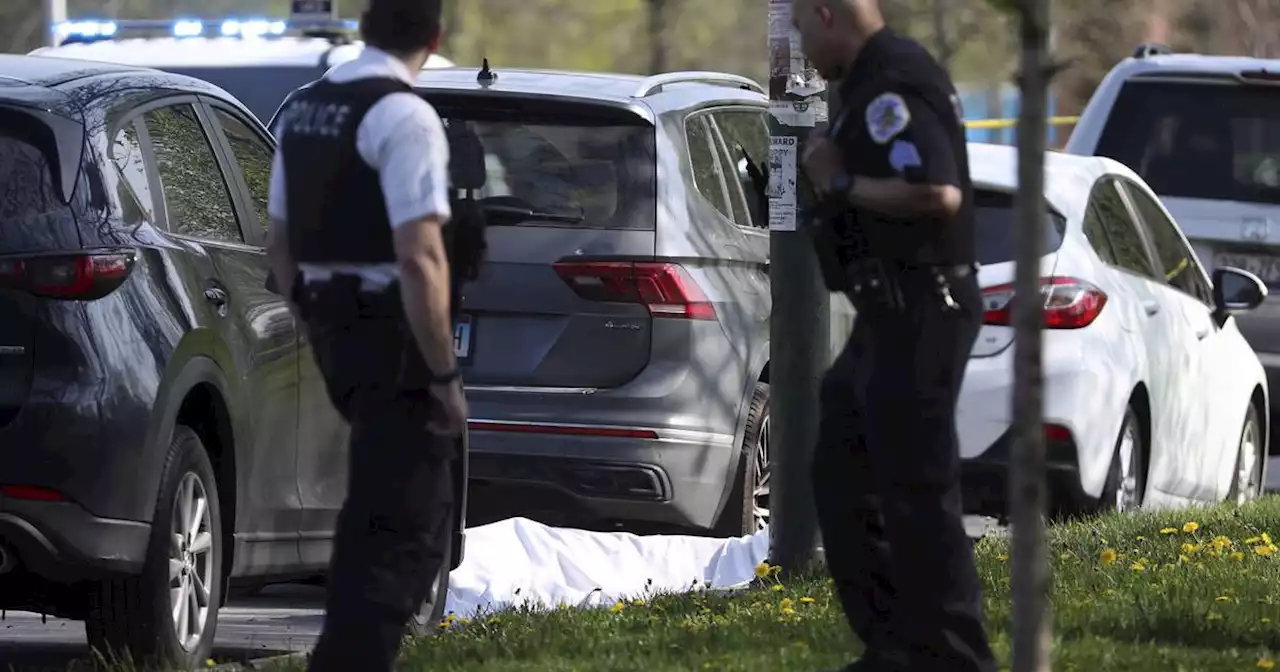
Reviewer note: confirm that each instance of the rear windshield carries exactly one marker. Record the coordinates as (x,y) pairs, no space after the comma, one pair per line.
(30,200)
(997,237)
(1211,140)
(260,88)
(559,165)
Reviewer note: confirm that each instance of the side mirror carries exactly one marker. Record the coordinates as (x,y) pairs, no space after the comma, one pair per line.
(1236,291)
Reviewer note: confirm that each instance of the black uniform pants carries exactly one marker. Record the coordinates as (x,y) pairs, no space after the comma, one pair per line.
(392,532)
(886,484)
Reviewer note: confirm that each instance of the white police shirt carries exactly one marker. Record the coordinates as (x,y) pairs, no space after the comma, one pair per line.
(403,139)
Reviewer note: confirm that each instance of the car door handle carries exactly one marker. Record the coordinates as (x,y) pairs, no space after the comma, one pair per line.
(216,295)
(1151,307)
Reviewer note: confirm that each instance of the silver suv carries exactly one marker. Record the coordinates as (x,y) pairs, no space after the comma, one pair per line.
(616,347)
(1204,132)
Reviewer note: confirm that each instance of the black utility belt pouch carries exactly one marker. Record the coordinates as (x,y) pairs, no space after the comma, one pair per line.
(873,288)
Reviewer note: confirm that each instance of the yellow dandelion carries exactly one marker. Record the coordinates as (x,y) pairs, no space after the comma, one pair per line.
(1266,538)
(1138,567)
(1264,620)
(1252,540)
(1191,527)
(777,588)
(638,603)
(618,607)
(210,663)
(1237,556)
(785,603)
(1169,530)
(1214,616)
(1222,598)
(1264,551)
(1108,556)
(807,600)
(762,570)
(788,611)
(1190,549)
(1221,542)
(1002,557)
(1266,664)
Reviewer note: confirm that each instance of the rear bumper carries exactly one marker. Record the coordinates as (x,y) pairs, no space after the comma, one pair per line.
(678,479)
(984,480)
(62,542)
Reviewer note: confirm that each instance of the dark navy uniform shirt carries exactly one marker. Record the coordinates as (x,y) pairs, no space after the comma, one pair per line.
(900,117)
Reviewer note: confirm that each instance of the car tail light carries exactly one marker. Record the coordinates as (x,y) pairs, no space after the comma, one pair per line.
(666,289)
(71,276)
(1069,303)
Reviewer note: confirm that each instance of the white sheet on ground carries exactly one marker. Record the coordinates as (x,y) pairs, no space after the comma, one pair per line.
(519,561)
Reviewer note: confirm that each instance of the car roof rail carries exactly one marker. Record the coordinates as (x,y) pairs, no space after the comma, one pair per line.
(654,83)
(1149,49)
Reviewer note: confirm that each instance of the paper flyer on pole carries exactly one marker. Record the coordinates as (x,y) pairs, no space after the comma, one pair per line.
(783,155)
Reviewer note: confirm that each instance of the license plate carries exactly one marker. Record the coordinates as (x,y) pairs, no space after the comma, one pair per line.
(462,333)
(1265,267)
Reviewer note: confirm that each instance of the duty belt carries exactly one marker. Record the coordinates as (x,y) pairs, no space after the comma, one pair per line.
(879,284)
(341,299)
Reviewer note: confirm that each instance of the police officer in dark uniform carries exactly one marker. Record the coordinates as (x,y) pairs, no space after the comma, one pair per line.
(896,234)
(360,207)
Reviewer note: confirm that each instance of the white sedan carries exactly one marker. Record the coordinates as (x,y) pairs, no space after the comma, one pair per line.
(1152,397)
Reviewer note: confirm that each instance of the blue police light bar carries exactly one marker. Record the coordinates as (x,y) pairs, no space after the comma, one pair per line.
(97,30)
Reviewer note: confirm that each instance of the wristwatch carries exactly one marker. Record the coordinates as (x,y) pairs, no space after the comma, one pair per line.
(841,183)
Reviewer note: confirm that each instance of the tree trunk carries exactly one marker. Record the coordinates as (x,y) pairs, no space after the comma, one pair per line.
(944,22)
(1030,580)
(657,36)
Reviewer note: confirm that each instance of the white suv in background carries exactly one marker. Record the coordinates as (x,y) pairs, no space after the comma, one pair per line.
(1204,133)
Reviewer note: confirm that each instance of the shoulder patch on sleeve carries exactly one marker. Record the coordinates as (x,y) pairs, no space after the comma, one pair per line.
(887,116)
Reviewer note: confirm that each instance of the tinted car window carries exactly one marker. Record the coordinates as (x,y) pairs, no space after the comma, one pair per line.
(195,191)
(254,156)
(1178,263)
(707,175)
(996,228)
(1198,140)
(133,189)
(746,137)
(32,214)
(1096,233)
(1126,243)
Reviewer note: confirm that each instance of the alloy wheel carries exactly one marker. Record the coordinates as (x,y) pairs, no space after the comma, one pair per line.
(1128,498)
(1248,465)
(760,489)
(190,561)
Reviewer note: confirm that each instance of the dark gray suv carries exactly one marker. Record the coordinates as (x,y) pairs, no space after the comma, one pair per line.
(616,347)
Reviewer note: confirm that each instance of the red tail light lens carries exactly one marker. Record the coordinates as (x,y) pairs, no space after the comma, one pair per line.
(31,493)
(666,289)
(1069,303)
(77,277)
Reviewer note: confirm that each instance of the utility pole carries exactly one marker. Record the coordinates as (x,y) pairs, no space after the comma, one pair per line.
(800,332)
(1028,501)
(54,12)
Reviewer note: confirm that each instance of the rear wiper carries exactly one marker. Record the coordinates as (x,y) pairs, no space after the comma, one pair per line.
(527,214)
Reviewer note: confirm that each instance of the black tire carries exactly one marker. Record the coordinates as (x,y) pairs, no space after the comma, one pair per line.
(133,614)
(738,517)
(427,621)
(1251,423)
(1110,499)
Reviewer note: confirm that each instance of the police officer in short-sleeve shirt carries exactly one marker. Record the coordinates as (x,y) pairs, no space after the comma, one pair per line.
(359,194)
(892,172)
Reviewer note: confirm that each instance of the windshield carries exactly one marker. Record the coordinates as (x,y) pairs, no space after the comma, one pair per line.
(560,169)
(996,235)
(1210,140)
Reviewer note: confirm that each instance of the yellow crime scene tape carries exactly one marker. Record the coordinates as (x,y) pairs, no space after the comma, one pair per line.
(1010,123)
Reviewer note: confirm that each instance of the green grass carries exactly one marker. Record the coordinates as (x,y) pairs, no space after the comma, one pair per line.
(1171,601)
